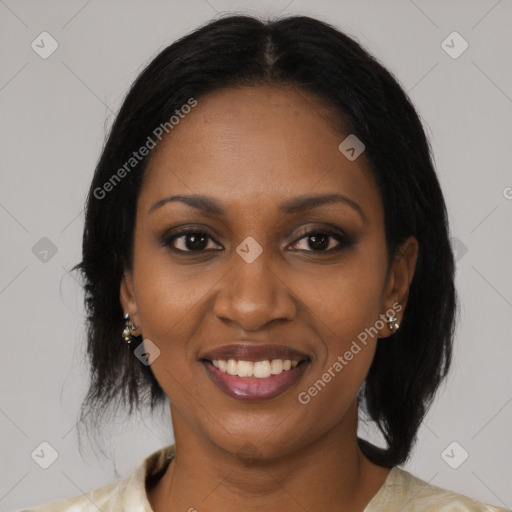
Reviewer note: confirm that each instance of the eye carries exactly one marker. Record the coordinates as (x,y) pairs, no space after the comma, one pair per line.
(320,240)
(188,241)
(317,240)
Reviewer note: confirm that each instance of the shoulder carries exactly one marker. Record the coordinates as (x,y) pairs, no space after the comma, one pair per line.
(406,492)
(127,493)
(104,498)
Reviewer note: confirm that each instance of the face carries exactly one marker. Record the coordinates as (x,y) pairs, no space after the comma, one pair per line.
(259,265)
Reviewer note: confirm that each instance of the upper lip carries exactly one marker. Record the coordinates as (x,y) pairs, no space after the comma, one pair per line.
(245,352)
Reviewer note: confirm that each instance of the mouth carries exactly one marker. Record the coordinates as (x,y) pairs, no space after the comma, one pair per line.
(251,373)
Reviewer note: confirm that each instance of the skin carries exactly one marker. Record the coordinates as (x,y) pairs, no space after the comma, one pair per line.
(250,149)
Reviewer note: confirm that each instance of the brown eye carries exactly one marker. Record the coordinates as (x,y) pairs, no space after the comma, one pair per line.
(321,241)
(188,241)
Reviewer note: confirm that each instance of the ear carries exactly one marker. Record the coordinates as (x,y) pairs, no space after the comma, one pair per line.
(128,299)
(398,283)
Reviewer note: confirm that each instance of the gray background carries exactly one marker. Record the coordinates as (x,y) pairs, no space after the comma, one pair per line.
(55,113)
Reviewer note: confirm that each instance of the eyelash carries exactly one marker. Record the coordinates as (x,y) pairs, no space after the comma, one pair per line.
(344,242)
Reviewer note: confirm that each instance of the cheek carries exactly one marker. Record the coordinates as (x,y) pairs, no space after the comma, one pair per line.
(345,299)
(167,299)
(345,318)
(345,309)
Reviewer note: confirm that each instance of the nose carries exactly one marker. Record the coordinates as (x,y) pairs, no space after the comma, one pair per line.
(253,295)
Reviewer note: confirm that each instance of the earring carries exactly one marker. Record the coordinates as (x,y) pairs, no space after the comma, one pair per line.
(392,322)
(128,327)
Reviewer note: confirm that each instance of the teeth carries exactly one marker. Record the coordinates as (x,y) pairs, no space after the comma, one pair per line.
(276,366)
(259,369)
(245,368)
(232,367)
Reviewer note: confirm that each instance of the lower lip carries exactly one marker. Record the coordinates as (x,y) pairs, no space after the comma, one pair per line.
(253,388)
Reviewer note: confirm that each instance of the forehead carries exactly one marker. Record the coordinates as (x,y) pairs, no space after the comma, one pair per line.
(254,145)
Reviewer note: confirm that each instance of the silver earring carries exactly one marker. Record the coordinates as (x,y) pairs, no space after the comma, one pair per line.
(128,328)
(392,323)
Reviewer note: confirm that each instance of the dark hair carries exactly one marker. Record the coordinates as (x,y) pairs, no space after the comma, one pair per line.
(367,100)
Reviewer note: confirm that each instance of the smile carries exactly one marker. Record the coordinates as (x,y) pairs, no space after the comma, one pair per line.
(258,369)
(251,381)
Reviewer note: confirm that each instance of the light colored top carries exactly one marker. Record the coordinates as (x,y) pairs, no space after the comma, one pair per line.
(401,491)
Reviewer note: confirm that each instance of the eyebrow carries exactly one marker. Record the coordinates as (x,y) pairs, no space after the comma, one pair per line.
(294,205)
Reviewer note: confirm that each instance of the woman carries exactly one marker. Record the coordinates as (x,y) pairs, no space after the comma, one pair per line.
(266,235)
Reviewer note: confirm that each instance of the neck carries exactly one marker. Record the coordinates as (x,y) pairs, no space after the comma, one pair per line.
(329,474)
